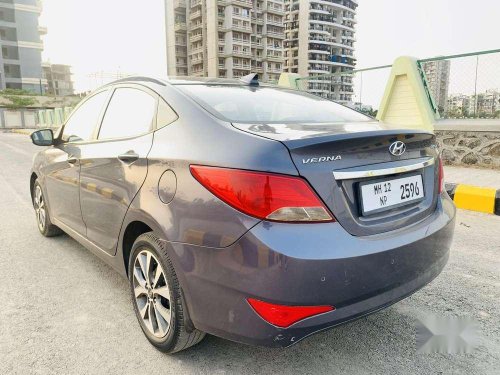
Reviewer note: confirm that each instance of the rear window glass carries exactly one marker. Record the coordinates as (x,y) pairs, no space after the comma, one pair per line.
(267,104)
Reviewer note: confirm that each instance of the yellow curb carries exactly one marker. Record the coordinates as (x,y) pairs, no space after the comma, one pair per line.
(92,187)
(107,193)
(21,131)
(475,198)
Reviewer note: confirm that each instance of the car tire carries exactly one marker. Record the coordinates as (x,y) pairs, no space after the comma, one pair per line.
(156,297)
(44,224)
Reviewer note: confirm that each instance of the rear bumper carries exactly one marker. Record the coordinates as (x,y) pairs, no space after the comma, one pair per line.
(309,264)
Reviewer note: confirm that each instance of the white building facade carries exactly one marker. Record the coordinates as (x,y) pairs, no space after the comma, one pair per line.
(320,36)
(225,38)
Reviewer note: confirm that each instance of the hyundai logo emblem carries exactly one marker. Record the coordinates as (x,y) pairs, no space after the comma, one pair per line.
(397,148)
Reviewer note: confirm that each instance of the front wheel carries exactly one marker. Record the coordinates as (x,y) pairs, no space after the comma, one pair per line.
(44,224)
(157,297)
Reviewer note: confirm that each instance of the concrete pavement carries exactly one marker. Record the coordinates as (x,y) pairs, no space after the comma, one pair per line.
(64,311)
(483,177)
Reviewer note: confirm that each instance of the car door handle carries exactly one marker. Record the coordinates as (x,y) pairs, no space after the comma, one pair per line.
(72,159)
(128,157)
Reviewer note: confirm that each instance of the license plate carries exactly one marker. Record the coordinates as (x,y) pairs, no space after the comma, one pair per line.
(383,195)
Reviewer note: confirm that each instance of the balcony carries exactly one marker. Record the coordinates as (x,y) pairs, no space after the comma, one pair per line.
(344,5)
(180,26)
(274,70)
(196,26)
(275,34)
(275,10)
(195,38)
(195,15)
(273,57)
(241,41)
(197,60)
(319,29)
(179,4)
(196,50)
(195,3)
(242,3)
(181,71)
(275,23)
(323,19)
(180,52)
(319,9)
(241,15)
(276,47)
(242,53)
(240,27)
(242,66)
(257,45)
(42,30)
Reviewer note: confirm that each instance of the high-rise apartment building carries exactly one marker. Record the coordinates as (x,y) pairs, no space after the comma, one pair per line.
(21,57)
(319,40)
(225,38)
(437,75)
(59,81)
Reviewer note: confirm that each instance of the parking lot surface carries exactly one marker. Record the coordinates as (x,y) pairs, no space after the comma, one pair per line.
(63,311)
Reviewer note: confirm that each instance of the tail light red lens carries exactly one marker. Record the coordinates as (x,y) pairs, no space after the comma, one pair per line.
(263,195)
(285,316)
(441,176)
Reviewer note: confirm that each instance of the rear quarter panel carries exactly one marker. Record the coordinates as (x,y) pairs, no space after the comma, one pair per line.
(194,215)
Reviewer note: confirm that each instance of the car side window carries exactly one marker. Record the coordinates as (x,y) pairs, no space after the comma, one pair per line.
(130,113)
(165,115)
(81,125)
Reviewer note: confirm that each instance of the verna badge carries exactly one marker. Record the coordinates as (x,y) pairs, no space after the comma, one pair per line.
(322,159)
(397,148)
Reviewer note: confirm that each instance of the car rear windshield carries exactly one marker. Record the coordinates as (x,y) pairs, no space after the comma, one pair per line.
(269,105)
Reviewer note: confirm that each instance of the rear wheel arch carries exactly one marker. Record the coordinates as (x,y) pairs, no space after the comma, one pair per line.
(33,179)
(132,232)
(137,224)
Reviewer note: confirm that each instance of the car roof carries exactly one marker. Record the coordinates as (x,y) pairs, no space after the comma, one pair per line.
(186,81)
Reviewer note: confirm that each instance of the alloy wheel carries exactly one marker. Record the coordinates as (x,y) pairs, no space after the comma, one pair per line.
(152,294)
(40,208)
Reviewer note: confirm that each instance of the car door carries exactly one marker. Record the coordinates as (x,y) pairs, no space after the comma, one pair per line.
(114,168)
(62,170)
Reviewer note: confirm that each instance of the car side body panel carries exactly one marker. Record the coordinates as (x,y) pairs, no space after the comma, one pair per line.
(108,186)
(62,185)
(192,214)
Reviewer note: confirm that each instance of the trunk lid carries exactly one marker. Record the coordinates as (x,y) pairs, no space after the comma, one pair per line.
(361,152)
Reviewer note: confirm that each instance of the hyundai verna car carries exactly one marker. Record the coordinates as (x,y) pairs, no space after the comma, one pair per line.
(254,213)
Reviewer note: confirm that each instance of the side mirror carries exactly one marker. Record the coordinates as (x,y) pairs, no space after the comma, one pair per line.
(44,137)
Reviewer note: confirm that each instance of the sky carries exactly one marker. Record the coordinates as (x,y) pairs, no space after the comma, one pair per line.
(387,29)
(105,35)
(121,36)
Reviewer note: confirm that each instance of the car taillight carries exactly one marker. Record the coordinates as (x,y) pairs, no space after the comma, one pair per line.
(284,316)
(263,195)
(441,176)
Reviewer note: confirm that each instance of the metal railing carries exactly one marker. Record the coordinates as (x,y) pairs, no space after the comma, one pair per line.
(465,85)
(459,86)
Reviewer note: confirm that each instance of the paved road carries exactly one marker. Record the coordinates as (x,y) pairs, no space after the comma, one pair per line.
(484,177)
(63,311)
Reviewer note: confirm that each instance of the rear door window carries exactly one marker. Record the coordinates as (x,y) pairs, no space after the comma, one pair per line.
(130,113)
(82,123)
